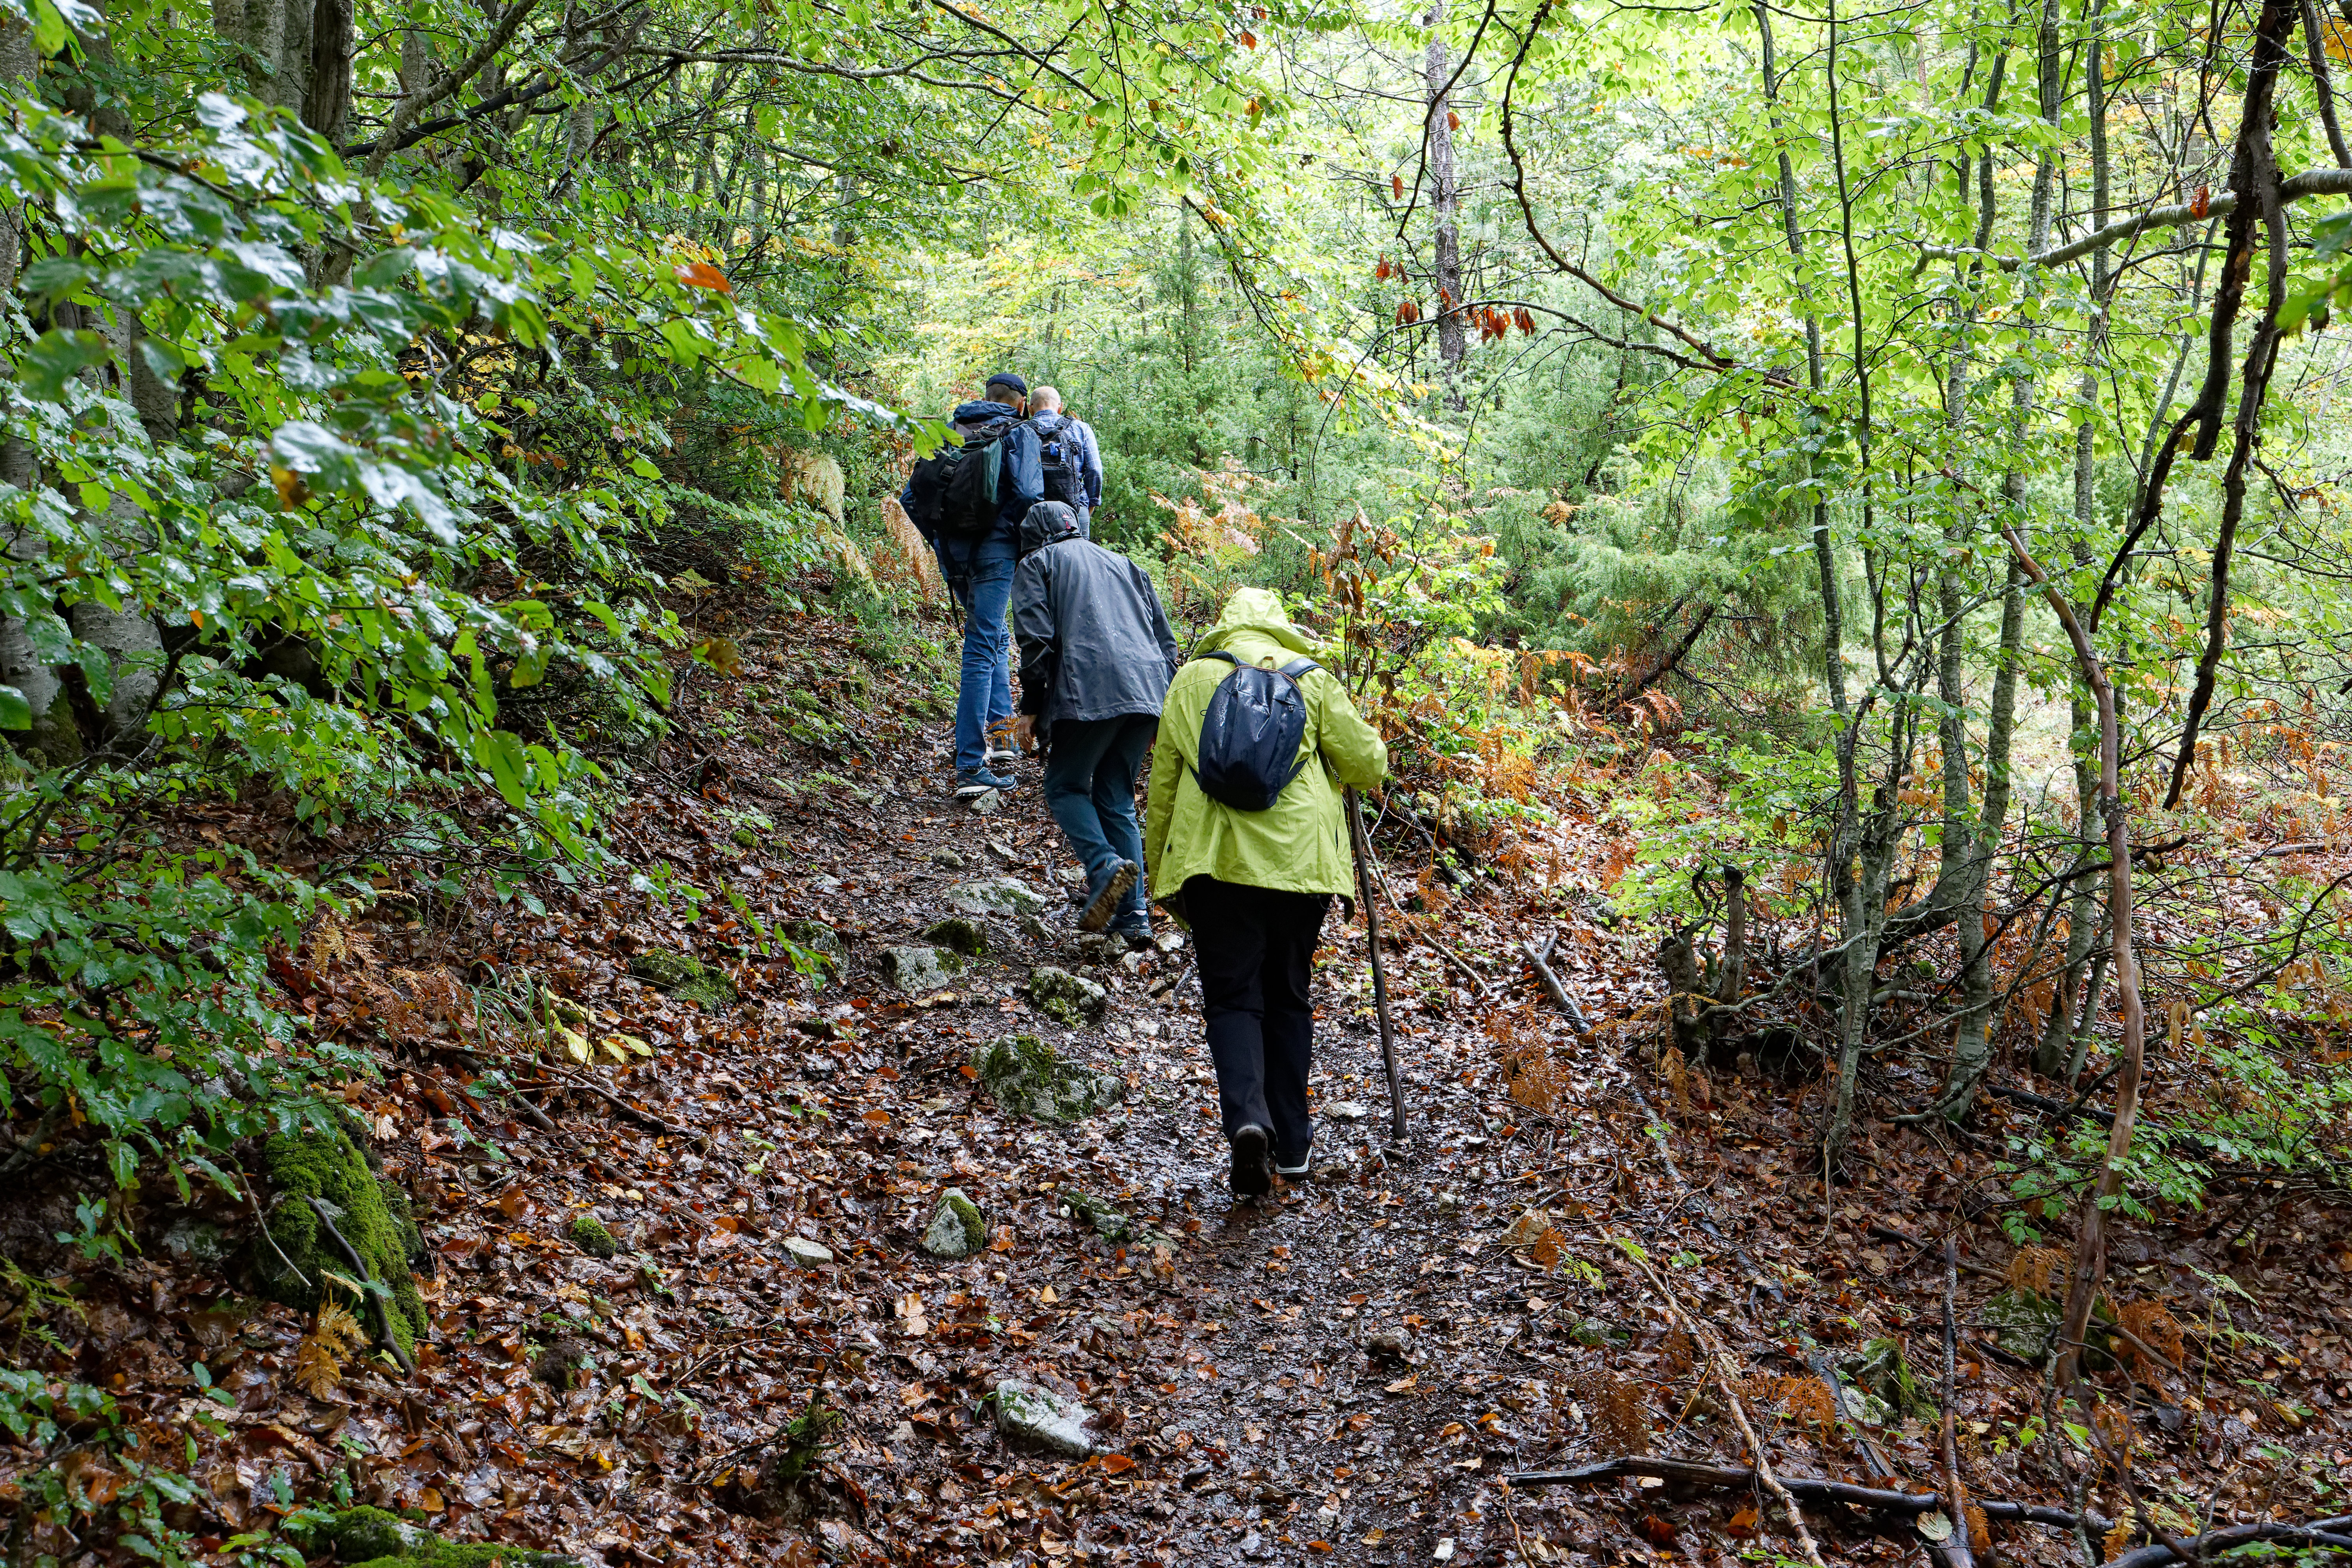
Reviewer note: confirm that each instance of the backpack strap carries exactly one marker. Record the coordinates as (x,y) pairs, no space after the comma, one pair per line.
(1229,658)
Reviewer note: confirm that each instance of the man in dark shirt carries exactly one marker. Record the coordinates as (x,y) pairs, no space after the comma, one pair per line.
(1097,656)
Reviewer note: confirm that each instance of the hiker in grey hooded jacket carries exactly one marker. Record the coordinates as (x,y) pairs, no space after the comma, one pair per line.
(1097,656)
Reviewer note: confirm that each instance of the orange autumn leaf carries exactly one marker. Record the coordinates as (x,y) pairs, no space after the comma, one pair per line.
(702,275)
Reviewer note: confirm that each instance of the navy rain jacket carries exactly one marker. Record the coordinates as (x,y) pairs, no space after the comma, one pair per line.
(1021,484)
(1095,643)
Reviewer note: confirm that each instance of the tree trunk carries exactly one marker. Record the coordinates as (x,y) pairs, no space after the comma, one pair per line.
(277,37)
(329,102)
(53,729)
(2049,1052)
(1444,202)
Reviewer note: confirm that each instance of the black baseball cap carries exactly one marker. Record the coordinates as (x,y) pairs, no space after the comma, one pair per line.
(1007,378)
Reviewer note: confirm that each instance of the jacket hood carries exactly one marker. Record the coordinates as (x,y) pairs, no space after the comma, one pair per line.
(1048,522)
(980,411)
(1053,419)
(1254,610)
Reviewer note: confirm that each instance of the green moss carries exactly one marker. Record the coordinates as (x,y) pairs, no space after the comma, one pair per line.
(589,1235)
(688,979)
(371,1537)
(373,1219)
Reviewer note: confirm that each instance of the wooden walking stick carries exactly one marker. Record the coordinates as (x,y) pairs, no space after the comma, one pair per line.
(1366,894)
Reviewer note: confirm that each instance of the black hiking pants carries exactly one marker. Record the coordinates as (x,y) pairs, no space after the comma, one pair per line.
(1256,950)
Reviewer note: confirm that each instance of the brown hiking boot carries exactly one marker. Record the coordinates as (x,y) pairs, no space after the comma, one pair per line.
(1105,906)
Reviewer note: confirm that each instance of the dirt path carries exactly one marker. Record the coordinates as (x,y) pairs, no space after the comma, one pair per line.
(1342,1374)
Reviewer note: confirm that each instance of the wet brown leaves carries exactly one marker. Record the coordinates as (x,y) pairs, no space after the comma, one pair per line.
(1612,1407)
(2036,1269)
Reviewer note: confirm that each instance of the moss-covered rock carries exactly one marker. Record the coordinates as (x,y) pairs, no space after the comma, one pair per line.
(818,938)
(918,971)
(374,1218)
(1028,1078)
(2026,1325)
(1071,998)
(968,937)
(376,1538)
(686,978)
(957,1228)
(1879,1371)
(589,1235)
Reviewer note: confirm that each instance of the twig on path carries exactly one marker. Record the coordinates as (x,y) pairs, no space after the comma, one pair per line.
(1538,959)
(1518,1540)
(1817,1489)
(645,1119)
(1719,1363)
(1380,878)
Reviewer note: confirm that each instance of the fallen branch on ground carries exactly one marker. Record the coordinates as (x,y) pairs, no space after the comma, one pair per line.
(1719,1363)
(1817,1489)
(1539,960)
(2317,1533)
(645,1119)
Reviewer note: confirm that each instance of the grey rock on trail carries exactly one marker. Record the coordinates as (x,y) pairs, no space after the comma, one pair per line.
(1028,1078)
(957,1229)
(1032,1417)
(959,933)
(997,896)
(917,970)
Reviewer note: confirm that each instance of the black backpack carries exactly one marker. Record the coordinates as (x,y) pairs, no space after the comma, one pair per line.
(1059,454)
(953,491)
(1250,735)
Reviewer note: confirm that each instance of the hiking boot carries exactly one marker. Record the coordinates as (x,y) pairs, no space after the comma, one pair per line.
(978,781)
(1001,756)
(1297,1172)
(1136,937)
(1251,1176)
(1105,903)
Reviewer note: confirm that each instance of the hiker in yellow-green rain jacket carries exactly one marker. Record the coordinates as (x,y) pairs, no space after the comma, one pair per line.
(1253,886)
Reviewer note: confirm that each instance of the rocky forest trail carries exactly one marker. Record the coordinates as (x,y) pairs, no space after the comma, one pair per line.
(1344,1373)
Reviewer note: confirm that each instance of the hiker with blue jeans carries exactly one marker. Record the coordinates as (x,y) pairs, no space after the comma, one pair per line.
(1096,655)
(977,565)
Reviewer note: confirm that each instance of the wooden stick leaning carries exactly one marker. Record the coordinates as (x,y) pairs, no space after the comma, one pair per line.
(1365,895)
(1718,1362)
